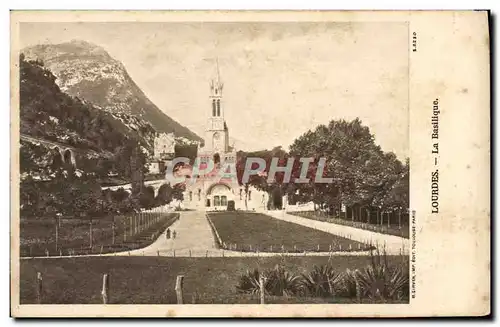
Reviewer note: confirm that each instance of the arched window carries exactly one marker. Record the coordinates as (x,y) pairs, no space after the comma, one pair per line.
(213,108)
(216,201)
(218,108)
(223,200)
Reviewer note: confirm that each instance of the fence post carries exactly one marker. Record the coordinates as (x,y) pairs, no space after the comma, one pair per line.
(399,218)
(57,233)
(39,288)
(105,289)
(261,287)
(90,234)
(124,224)
(178,289)
(113,229)
(358,287)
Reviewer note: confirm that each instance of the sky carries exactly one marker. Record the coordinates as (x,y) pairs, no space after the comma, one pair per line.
(280,79)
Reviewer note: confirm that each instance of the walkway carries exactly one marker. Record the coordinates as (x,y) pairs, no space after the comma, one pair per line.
(195,239)
(193,233)
(393,244)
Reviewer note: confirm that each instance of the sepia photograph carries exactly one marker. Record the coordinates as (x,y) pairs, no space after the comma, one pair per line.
(218,162)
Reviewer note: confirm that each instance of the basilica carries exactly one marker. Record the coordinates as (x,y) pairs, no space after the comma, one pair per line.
(209,192)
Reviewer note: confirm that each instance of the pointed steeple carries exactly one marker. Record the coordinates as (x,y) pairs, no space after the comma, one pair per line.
(216,84)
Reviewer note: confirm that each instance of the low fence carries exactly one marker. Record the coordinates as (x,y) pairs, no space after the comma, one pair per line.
(70,236)
(346,245)
(391,223)
(219,243)
(106,295)
(332,248)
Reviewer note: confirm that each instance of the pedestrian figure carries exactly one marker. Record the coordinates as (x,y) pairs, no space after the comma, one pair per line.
(168,233)
(174,234)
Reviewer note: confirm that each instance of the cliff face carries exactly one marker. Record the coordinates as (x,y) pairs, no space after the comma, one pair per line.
(87,71)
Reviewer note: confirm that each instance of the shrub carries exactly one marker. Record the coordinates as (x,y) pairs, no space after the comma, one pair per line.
(321,281)
(379,281)
(280,282)
(277,281)
(348,286)
(249,283)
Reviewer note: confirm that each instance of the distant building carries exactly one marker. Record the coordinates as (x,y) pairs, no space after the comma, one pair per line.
(208,192)
(164,152)
(164,146)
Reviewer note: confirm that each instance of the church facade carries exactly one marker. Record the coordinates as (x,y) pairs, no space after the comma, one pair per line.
(209,192)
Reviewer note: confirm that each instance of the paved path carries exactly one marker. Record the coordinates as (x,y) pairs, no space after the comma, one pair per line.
(393,244)
(195,239)
(193,233)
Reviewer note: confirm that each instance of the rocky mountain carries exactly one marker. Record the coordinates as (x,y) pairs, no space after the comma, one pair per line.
(87,71)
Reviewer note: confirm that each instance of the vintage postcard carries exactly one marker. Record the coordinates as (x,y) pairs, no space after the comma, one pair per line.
(250,164)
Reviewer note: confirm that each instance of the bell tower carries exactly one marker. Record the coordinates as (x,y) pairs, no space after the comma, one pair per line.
(216,134)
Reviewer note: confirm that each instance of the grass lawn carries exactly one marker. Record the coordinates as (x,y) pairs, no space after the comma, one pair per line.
(39,235)
(246,231)
(151,280)
(404,231)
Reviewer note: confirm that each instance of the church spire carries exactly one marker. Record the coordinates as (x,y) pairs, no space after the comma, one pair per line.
(216,84)
(218,72)
(216,87)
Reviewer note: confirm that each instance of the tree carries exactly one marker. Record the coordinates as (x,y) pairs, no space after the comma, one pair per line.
(178,192)
(165,194)
(362,173)
(259,181)
(147,197)
(120,195)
